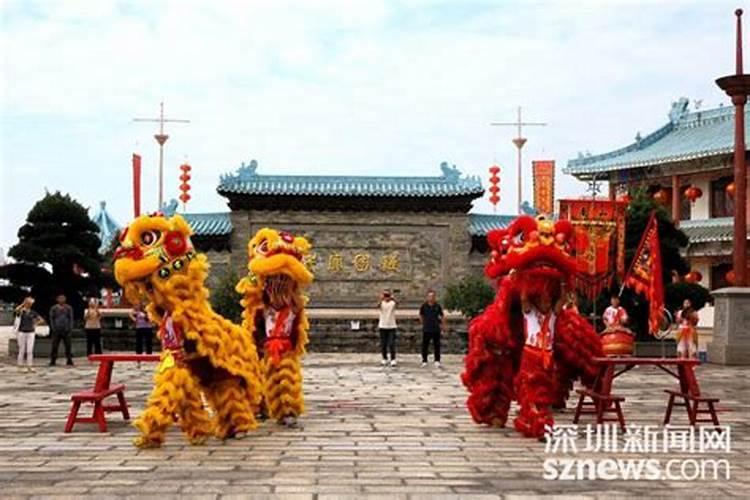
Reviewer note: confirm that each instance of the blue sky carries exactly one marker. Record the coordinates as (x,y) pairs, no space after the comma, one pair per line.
(335,87)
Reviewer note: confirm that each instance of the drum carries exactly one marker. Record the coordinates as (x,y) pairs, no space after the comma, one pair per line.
(618,341)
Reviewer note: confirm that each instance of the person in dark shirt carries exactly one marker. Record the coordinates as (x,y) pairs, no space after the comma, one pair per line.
(61,328)
(431,316)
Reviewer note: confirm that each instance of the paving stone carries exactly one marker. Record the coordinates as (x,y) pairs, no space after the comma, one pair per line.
(400,433)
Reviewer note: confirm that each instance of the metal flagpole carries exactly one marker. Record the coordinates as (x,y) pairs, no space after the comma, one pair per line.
(519,142)
(161,138)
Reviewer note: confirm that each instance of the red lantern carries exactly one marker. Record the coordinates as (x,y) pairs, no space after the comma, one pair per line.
(693,193)
(693,277)
(730,190)
(661,196)
(494,189)
(730,277)
(185,186)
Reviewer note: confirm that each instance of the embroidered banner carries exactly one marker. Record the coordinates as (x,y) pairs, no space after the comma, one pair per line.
(544,186)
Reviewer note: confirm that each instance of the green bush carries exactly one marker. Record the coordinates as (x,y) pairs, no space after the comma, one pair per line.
(224,299)
(469,296)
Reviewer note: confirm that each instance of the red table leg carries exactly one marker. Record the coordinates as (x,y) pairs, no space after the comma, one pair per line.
(688,382)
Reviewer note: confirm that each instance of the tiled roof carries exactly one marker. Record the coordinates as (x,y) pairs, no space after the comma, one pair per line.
(481,224)
(213,224)
(108,227)
(709,230)
(688,135)
(450,183)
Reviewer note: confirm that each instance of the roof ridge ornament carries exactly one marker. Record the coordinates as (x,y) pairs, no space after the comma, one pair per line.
(451,174)
(679,110)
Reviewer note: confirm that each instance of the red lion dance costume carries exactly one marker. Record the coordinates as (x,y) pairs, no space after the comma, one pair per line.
(523,346)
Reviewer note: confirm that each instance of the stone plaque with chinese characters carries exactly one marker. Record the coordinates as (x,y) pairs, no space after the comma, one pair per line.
(356,255)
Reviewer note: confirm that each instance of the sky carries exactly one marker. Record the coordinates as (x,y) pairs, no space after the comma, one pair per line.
(359,87)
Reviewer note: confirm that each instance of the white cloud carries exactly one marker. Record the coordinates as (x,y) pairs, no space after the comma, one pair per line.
(335,86)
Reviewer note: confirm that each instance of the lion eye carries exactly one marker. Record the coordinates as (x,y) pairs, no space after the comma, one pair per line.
(148,238)
(263,247)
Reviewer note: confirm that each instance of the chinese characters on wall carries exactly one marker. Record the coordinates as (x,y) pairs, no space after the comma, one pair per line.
(355,263)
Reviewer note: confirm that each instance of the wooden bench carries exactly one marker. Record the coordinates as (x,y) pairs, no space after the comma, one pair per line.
(103,389)
(98,416)
(694,409)
(599,405)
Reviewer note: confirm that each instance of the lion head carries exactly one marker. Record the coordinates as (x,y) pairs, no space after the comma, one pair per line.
(155,255)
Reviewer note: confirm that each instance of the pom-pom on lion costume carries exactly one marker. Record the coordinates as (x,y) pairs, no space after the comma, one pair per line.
(525,346)
(202,352)
(274,313)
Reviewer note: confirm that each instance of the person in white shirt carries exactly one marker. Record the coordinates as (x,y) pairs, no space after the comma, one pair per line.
(615,316)
(387,327)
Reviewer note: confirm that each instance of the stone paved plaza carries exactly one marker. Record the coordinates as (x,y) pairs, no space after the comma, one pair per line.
(368,431)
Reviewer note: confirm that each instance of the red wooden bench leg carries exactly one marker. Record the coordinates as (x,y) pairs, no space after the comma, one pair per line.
(99,416)
(670,405)
(123,405)
(620,416)
(600,407)
(714,418)
(579,409)
(72,416)
(692,411)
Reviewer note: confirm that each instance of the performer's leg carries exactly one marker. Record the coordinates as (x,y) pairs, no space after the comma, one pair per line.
(283,388)
(194,419)
(235,412)
(163,403)
(425,345)
(535,395)
(489,378)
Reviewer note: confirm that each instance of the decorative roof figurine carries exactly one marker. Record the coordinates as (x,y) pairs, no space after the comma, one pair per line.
(108,227)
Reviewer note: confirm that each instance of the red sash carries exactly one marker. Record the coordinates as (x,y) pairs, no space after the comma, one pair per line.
(279,343)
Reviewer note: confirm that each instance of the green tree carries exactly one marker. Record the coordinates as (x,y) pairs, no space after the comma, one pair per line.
(224,299)
(57,252)
(469,296)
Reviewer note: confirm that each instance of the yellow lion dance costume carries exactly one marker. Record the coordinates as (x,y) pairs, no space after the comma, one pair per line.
(274,313)
(202,352)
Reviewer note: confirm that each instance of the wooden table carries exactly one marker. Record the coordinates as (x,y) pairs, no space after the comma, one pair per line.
(683,369)
(103,389)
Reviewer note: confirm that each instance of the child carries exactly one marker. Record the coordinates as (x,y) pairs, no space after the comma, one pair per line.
(614,316)
(687,319)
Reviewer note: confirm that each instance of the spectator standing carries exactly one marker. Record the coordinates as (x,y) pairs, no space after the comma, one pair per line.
(432,318)
(144,330)
(93,328)
(387,327)
(61,328)
(28,319)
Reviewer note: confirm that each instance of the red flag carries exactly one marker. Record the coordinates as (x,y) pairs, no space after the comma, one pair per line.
(136,185)
(645,274)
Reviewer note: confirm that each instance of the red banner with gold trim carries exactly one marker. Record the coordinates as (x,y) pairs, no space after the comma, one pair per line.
(599,241)
(544,186)
(645,274)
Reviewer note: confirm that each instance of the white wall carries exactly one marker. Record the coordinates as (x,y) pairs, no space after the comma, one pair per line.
(701,208)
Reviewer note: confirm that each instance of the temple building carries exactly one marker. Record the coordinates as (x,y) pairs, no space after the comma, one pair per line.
(693,149)
(409,234)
